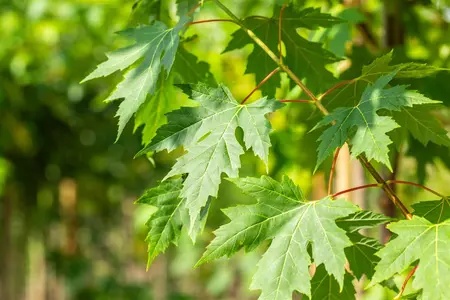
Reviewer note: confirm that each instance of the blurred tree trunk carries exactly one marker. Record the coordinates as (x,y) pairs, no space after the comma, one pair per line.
(393,36)
(6,244)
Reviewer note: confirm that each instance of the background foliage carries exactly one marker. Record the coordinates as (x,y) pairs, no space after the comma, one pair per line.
(69,228)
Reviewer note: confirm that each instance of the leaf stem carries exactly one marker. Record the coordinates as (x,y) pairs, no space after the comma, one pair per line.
(333,166)
(417,185)
(336,87)
(296,101)
(318,104)
(355,189)
(280,23)
(260,84)
(408,277)
(209,21)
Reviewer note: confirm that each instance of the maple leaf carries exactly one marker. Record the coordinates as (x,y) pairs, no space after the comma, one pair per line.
(350,94)
(208,135)
(283,215)
(361,124)
(306,58)
(361,254)
(420,123)
(171,215)
(426,239)
(324,286)
(151,114)
(419,239)
(165,224)
(423,126)
(154,50)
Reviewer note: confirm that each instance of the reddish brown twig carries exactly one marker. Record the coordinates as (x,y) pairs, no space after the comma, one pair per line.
(408,277)
(333,167)
(336,87)
(280,22)
(260,84)
(416,185)
(355,189)
(192,11)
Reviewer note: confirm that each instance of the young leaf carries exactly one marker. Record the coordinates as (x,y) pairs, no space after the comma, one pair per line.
(418,239)
(306,58)
(155,49)
(325,287)
(283,215)
(165,224)
(361,124)
(208,134)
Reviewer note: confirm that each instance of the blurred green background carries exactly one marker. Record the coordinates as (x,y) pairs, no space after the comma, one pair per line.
(69,228)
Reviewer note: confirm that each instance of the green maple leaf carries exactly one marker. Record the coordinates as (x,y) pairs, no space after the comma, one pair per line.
(283,215)
(153,52)
(208,135)
(423,126)
(434,211)
(361,254)
(350,94)
(165,224)
(189,70)
(361,124)
(325,287)
(186,69)
(423,241)
(306,58)
(171,216)
(151,115)
(420,123)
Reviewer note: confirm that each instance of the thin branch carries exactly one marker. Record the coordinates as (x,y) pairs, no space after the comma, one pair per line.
(280,23)
(355,189)
(333,167)
(260,84)
(417,185)
(209,21)
(389,192)
(318,104)
(296,101)
(192,11)
(336,87)
(408,277)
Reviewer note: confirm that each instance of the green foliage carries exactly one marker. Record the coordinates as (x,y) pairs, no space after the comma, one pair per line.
(370,136)
(369,112)
(165,224)
(306,58)
(283,215)
(208,135)
(418,240)
(324,286)
(155,50)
